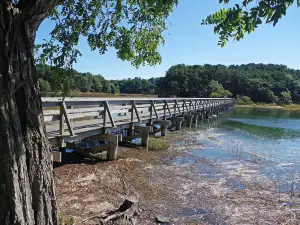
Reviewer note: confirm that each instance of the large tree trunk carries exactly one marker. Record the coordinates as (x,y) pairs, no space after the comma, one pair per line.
(26,175)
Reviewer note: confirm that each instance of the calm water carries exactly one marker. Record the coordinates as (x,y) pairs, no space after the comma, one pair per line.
(269,140)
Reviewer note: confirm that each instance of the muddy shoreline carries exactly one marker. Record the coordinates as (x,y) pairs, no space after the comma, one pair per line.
(167,185)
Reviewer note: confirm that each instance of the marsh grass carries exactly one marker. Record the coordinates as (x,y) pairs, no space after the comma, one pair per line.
(158,144)
(163,143)
(270,106)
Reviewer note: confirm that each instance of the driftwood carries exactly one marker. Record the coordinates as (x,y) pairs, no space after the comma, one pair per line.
(124,215)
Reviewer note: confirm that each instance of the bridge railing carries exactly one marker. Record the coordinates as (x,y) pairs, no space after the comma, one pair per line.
(71,116)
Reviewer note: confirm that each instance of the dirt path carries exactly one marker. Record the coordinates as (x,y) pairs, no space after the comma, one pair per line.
(184,192)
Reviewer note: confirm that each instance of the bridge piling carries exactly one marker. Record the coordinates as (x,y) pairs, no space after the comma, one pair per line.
(179,121)
(112,151)
(163,126)
(196,115)
(189,120)
(145,134)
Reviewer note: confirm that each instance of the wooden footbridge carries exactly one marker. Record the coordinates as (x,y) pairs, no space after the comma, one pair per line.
(72,120)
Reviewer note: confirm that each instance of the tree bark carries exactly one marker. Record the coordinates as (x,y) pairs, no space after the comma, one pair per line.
(27,194)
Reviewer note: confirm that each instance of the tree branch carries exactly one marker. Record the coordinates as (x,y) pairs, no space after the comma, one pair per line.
(36,11)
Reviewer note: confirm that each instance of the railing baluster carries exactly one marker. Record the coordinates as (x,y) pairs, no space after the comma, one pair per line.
(65,113)
(61,120)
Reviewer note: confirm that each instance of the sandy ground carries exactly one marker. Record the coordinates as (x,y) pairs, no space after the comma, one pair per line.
(187,193)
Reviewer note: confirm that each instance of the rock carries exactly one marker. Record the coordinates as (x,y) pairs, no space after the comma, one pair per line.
(162,219)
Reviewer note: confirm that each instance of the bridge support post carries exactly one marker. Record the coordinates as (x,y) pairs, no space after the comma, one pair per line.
(130,129)
(145,134)
(61,142)
(208,113)
(179,121)
(150,125)
(189,120)
(201,115)
(163,126)
(195,118)
(112,151)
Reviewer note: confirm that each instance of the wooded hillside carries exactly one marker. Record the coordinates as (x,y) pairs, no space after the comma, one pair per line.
(262,83)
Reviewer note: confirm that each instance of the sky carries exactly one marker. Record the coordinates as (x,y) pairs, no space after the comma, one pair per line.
(189,42)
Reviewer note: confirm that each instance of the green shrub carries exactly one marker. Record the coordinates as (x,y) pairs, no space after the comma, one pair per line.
(285,97)
(245,100)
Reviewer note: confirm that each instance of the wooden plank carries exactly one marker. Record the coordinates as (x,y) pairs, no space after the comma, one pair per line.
(148,105)
(160,107)
(104,115)
(50,112)
(61,120)
(109,114)
(81,115)
(116,111)
(70,128)
(50,104)
(136,111)
(176,104)
(132,116)
(165,109)
(151,113)
(85,110)
(153,106)
(51,118)
(118,118)
(167,105)
(70,107)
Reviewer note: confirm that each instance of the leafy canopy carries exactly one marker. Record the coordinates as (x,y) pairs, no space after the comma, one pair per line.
(234,22)
(133,27)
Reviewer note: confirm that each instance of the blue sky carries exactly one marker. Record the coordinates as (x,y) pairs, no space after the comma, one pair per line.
(188,42)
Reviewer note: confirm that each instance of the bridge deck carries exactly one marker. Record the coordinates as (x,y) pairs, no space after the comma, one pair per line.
(76,118)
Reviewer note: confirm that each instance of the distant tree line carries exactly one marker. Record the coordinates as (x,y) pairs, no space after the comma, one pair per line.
(53,79)
(266,83)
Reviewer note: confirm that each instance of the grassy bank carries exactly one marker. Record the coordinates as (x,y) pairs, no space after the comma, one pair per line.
(271,106)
